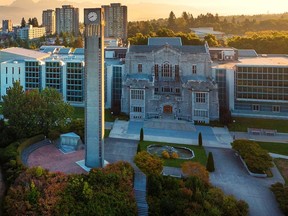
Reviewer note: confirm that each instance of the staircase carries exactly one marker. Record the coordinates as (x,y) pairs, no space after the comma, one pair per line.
(140,192)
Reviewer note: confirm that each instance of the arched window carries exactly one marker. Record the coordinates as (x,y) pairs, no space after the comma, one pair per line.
(166,70)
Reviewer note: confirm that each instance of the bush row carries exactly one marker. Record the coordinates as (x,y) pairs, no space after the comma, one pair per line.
(257,159)
(281,193)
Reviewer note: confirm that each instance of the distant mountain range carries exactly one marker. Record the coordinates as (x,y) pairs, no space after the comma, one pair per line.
(140,11)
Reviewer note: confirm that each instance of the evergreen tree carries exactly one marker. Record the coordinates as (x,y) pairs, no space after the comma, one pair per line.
(172,21)
(210,163)
(23,23)
(200,139)
(34,22)
(141,134)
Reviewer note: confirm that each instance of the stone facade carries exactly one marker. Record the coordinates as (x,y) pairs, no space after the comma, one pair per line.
(169,81)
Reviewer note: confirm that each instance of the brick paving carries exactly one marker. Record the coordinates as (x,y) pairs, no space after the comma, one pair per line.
(51,158)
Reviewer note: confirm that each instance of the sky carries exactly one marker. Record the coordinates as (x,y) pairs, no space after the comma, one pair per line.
(239,6)
(153,9)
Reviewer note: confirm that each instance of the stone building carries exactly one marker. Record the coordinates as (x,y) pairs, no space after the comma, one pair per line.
(166,79)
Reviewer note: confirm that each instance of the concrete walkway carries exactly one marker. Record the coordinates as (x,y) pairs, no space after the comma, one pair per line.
(279,137)
(273,155)
(232,178)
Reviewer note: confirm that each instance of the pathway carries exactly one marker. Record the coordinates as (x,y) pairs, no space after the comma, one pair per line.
(140,192)
(232,178)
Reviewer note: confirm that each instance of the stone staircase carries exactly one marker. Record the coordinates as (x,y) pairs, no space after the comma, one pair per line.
(140,192)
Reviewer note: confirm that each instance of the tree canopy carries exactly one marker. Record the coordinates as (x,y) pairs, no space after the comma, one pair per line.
(149,164)
(34,112)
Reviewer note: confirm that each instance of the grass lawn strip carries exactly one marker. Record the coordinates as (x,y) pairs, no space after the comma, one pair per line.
(241,124)
(277,148)
(200,155)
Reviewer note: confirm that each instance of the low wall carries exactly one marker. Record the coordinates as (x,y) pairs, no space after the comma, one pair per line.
(251,173)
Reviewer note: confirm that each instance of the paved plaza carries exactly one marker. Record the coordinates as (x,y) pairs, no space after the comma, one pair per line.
(178,132)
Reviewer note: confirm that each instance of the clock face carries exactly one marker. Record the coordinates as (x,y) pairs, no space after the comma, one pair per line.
(92,16)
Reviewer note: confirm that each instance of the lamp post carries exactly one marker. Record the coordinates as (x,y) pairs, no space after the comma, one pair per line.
(234,121)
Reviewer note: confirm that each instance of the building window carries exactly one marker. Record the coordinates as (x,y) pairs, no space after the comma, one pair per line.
(137,109)
(6,70)
(200,97)
(6,80)
(167,89)
(12,70)
(19,70)
(275,108)
(177,72)
(255,107)
(177,90)
(139,68)
(166,70)
(156,90)
(194,69)
(200,113)
(156,71)
(137,94)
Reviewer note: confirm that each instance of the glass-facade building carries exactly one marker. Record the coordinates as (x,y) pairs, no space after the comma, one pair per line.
(53,75)
(33,72)
(262,90)
(75,82)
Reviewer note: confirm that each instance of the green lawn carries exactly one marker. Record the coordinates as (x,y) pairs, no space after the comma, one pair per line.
(278,148)
(200,155)
(241,124)
(79,113)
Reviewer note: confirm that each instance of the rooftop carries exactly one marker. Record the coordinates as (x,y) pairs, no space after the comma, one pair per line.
(25,53)
(256,61)
(160,41)
(184,49)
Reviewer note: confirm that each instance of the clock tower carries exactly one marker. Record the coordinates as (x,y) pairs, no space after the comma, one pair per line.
(94,87)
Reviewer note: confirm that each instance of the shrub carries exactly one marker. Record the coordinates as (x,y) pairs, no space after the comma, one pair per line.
(210,163)
(149,164)
(256,158)
(174,155)
(190,168)
(200,139)
(165,154)
(26,144)
(281,194)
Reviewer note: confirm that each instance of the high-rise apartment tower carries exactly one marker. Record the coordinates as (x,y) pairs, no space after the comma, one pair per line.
(49,21)
(67,19)
(116,21)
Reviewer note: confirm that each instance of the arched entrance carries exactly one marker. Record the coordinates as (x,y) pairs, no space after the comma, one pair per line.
(167,109)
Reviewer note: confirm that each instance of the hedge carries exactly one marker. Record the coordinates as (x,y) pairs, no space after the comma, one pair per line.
(257,159)
(28,142)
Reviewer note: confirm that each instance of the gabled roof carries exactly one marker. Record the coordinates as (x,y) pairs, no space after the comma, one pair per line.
(185,49)
(160,41)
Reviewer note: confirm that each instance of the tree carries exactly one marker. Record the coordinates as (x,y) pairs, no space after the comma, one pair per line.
(210,163)
(23,23)
(141,134)
(57,40)
(78,43)
(34,112)
(171,21)
(200,139)
(190,168)
(55,110)
(149,164)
